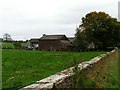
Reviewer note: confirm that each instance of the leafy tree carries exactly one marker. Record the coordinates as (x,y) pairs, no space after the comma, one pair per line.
(101,29)
(80,41)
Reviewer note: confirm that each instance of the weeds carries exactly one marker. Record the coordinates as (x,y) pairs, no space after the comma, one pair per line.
(80,79)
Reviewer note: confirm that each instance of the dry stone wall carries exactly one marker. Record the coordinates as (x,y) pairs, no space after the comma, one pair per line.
(63,78)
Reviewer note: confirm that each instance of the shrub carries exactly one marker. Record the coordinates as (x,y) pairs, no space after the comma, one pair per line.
(17,45)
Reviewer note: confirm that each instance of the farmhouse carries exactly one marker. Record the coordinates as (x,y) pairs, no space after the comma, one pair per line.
(55,43)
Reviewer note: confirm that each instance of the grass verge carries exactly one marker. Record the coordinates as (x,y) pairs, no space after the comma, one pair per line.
(103,74)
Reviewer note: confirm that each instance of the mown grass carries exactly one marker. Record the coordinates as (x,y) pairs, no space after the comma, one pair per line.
(22,67)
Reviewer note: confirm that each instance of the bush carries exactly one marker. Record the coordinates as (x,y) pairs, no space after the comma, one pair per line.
(17,45)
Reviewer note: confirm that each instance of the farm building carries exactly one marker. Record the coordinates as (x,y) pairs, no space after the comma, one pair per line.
(55,43)
(33,43)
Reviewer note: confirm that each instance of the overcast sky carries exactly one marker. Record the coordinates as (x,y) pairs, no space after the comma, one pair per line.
(25,19)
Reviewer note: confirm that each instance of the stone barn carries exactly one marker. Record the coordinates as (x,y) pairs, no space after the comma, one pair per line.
(55,43)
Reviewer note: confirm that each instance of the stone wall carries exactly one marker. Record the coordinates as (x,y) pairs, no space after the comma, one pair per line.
(63,78)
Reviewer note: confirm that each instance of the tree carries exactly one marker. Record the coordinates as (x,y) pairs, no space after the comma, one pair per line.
(80,41)
(7,37)
(101,29)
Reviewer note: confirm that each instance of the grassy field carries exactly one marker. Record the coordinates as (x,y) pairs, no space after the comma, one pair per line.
(10,45)
(20,67)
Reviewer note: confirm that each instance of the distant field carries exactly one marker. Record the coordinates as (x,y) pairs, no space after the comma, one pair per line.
(22,67)
(10,45)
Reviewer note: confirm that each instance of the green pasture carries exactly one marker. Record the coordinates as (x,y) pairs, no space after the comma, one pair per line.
(23,67)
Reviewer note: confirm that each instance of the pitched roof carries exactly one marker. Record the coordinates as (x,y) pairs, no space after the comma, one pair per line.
(53,37)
